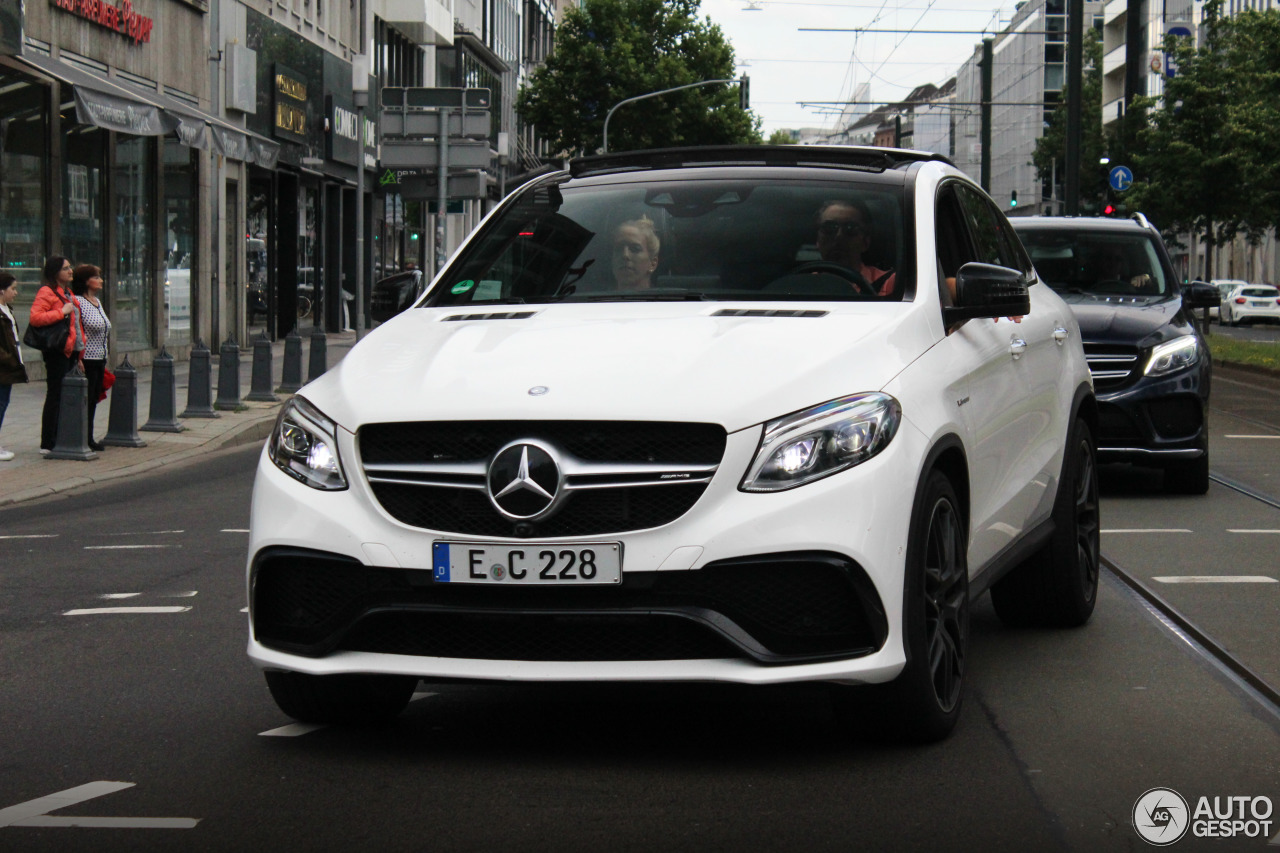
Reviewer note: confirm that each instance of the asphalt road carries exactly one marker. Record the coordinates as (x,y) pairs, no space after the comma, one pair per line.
(1062,731)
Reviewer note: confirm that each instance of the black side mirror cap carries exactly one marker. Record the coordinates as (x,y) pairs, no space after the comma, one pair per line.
(987,290)
(1200,294)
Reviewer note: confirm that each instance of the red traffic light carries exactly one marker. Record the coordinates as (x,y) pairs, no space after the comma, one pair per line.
(1109,209)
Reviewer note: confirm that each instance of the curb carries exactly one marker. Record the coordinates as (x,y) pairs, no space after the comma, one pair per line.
(1255,369)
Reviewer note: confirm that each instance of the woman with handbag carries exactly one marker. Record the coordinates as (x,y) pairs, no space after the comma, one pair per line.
(56,331)
(86,284)
(12,370)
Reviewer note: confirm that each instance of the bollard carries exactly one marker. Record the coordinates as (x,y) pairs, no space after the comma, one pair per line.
(291,377)
(200,384)
(164,396)
(229,377)
(319,354)
(73,418)
(260,389)
(122,425)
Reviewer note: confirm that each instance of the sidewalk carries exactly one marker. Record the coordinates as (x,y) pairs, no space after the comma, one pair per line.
(29,475)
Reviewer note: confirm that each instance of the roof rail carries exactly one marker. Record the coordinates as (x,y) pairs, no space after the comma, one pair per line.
(831,156)
(1142,220)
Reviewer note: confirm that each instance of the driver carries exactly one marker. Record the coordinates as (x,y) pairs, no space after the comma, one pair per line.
(844,235)
(635,254)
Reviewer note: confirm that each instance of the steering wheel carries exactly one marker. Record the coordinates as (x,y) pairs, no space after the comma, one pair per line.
(852,276)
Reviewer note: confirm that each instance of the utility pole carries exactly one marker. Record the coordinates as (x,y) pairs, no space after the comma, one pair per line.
(1075,82)
(984,174)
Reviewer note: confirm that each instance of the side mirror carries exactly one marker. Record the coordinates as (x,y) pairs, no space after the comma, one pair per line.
(1200,294)
(987,290)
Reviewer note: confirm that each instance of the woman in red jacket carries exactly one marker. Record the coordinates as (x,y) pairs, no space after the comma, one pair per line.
(53,302)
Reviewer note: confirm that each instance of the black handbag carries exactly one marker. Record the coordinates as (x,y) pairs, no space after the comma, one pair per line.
(51,338)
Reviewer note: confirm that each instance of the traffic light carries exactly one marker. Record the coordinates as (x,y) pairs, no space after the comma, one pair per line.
(1013,199)
(744,92)
(1109,209)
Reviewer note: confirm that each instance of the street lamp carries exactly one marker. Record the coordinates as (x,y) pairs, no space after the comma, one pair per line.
(360,96)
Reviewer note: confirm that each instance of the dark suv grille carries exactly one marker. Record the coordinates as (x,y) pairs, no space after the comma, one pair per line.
(772,609)
(431,475)
(1112,366)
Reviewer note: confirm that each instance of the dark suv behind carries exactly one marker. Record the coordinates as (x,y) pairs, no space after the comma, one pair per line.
(1150,364)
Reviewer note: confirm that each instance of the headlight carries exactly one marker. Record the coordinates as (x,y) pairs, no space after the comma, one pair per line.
(1173,355)
(304,445)
(817,442)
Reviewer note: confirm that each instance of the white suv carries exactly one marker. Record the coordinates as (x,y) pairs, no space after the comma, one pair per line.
(754,415)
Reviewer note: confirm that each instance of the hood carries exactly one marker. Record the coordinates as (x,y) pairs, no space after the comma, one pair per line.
(618,361)
(1140,321)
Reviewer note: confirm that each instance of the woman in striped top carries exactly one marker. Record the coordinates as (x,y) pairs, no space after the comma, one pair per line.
(86,284)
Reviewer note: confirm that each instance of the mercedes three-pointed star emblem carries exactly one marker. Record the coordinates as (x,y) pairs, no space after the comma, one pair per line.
(524,480)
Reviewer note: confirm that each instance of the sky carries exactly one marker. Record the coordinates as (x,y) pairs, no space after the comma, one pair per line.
(788,67)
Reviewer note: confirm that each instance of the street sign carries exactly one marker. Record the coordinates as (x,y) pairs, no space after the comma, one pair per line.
(1120,179)
(469,185)
(1171,67)
(474,124)
(430,98)
(463,154)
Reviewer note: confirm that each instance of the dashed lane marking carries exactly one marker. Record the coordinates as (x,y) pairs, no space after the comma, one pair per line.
(122,547)
(1251,436)
(1236,530)
(148,533)
(120,595)
(99,611)
(297,729)
(1215,579)
(30,536)
(1147,530)
(234,530)
(36,812)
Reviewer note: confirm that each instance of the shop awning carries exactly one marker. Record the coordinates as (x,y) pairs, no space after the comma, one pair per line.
(119,106)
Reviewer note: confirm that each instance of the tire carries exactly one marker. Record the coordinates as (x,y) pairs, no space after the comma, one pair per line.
(1188,478)
(923,704)
(1057,586)
(340,699)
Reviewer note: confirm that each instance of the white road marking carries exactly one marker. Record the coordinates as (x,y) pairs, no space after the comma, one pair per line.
(1216,579)
(148,533)
(192,594)
(122,547)
(292,730)
(36,812)
(1236,530)
(1147,530)
(296,729)
(120,595)
(234,530)
(244,610)
(97,611)
(31,536)
(1251,436)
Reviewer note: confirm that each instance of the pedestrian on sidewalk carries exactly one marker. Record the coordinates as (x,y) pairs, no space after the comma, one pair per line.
(53,302)
(86,284)
(12,370)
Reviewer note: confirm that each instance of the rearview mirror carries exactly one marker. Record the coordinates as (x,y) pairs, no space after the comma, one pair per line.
(1200,294)
(987,290)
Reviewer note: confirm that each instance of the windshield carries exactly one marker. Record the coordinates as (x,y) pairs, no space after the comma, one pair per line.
(689,239)
(1098,263)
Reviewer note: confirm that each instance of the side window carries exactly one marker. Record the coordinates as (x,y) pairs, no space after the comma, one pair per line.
(991,231)
(954,249)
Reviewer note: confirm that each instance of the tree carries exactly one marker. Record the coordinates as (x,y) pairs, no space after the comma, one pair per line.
(1050,155)
(781,137)
(1208,161)
(609,50)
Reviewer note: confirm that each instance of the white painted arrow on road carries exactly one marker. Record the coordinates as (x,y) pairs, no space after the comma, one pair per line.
(36,812)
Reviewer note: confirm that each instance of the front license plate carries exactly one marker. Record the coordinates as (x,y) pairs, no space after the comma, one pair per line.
(527,564)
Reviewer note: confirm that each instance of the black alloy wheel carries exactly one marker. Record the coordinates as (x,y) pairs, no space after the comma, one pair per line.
(946,604)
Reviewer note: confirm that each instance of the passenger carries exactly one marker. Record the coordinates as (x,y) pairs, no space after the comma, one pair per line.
(844,236)
(635,254)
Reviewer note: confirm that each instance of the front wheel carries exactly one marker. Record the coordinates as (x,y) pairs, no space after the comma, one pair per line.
(1058,585)
(340,699)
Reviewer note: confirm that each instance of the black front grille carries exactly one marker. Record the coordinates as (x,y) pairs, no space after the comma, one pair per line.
(584,513)
(596,441)
(773,608)
(1112,366)
(1175,417)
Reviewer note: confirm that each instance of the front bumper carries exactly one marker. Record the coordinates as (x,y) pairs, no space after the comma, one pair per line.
(798,585)
(1154,421)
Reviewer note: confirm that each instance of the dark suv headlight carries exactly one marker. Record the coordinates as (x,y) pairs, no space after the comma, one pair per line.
(1172,356)
(304,445)
(820,441)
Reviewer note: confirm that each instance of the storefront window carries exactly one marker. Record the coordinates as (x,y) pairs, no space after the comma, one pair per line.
(23,156)
(135,225)
(84,149)
(257,217)
(307,251)
(179,245)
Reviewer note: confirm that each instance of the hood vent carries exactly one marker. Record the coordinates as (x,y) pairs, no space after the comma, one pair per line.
(503,315)
(767,312)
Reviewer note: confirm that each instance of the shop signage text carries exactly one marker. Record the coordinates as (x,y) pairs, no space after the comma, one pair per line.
(119,18)
(290,105)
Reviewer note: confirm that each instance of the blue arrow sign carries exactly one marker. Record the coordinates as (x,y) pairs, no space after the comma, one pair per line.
(1121,178)
(1171,67)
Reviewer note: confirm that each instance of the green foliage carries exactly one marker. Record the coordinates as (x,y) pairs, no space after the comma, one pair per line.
(609,50)
(1050,155)
(781,137)
(1209,161)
